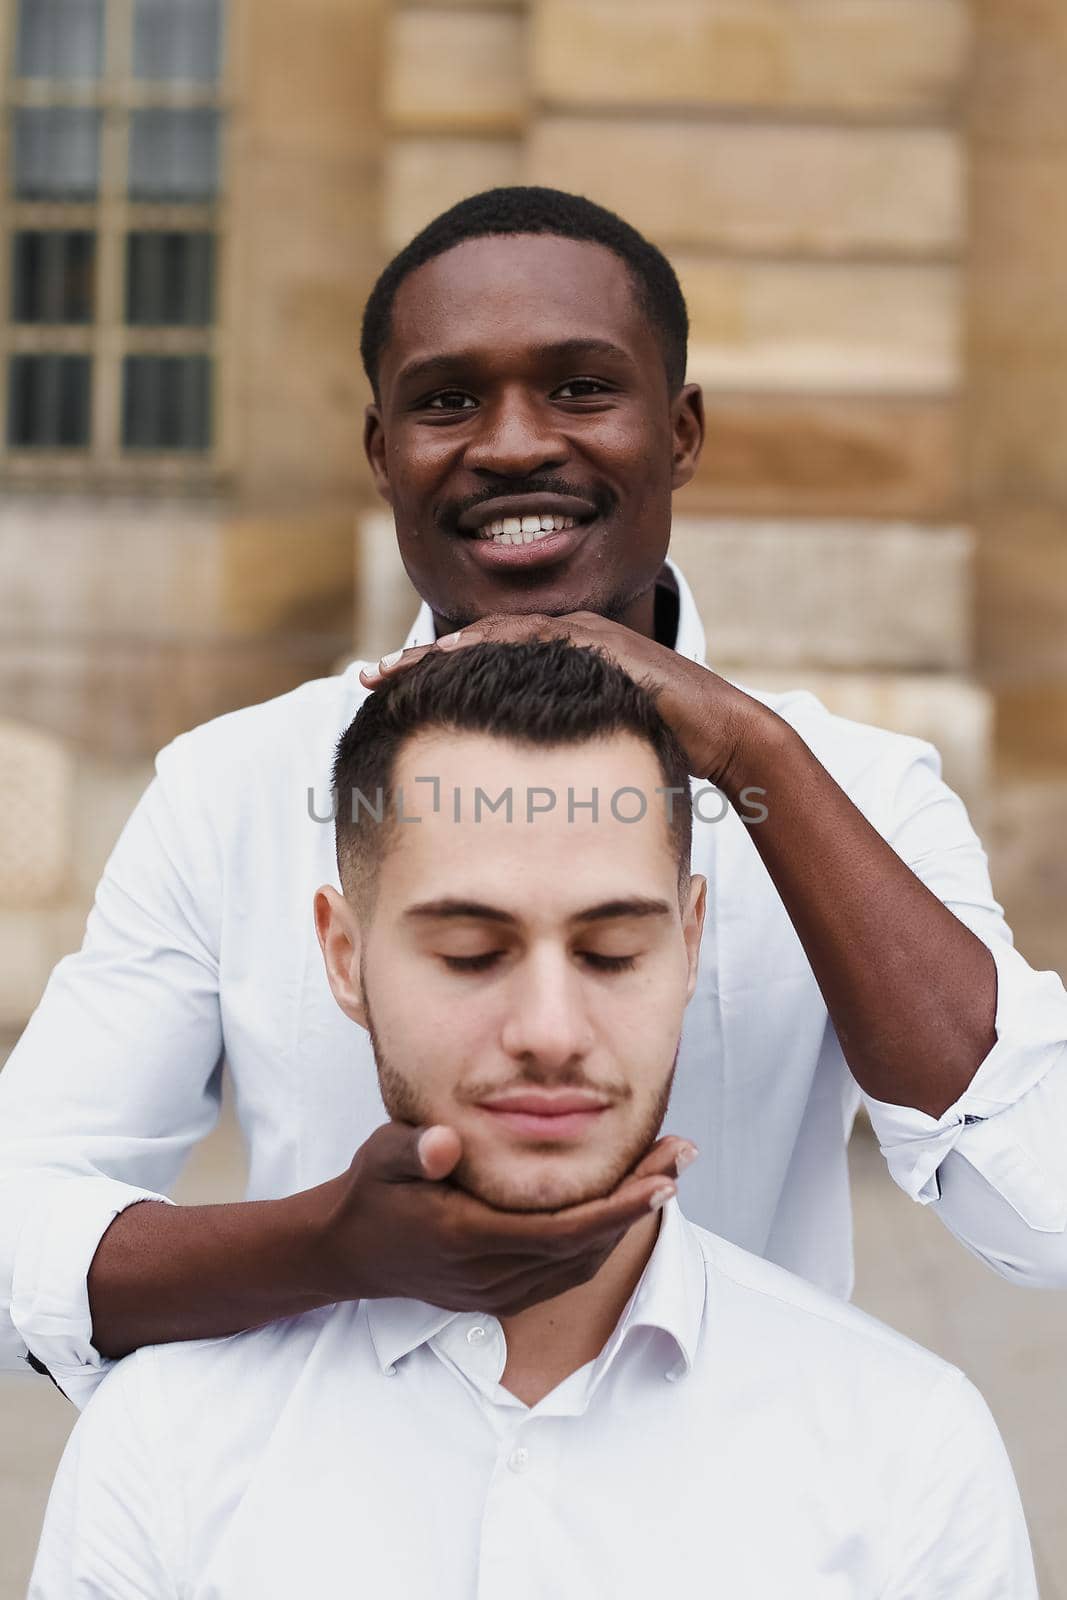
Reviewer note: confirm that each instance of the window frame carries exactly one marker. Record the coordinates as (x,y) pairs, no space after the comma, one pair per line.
(107,339)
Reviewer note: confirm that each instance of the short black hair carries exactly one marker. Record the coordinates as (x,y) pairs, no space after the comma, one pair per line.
(529,209)
(545,693)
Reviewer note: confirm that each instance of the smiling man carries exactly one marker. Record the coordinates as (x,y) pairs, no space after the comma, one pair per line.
(526,356)
(690,1420)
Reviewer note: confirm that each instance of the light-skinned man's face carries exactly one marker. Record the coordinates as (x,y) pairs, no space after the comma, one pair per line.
(524,982)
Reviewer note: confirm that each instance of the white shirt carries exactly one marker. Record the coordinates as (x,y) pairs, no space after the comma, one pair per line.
(741,1434)
(201,944)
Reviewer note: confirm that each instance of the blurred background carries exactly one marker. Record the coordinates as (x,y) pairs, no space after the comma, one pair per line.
(866,201)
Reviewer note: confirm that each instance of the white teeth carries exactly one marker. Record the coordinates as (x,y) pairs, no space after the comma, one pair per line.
(524,530)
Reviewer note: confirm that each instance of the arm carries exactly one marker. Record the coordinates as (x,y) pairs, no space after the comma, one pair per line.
(110,1529)
(911,991)
(959,1048)
(944,1027)
(957,1529)
(111,1084)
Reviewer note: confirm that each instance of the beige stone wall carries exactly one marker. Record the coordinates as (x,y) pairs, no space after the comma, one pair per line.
(1017,368)
(125,618)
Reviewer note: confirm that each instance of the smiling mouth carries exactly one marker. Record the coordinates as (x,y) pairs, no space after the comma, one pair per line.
(523,530)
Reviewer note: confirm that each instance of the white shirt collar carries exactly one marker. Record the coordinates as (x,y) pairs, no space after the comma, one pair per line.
(689,643)
(669,1295)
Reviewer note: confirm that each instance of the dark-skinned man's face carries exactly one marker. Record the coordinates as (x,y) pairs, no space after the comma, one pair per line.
(526,437)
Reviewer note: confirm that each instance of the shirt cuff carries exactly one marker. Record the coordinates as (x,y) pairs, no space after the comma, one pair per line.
(1031,1014)
(50,1292)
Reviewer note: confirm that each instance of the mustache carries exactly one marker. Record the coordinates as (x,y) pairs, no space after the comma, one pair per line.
(615,1090)
(449,511)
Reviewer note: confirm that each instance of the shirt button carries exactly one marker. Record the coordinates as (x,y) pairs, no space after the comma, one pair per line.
(476,1334)
(672,1374)
(390,1372)
(519,1459)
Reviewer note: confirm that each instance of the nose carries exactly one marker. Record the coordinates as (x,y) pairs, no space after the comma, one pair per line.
(519,436)
(547,1024)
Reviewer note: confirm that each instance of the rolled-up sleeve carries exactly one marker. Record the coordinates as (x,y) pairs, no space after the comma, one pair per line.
(994,1164)
(115,1078)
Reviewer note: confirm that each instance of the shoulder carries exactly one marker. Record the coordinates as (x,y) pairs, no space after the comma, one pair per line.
(835,1341)
(887,775)
(284,729)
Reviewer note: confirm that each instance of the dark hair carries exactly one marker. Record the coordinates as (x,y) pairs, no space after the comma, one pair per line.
(535,210)
(543,693)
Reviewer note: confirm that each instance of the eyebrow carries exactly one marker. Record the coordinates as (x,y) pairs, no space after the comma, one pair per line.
(606,911)
(564,349)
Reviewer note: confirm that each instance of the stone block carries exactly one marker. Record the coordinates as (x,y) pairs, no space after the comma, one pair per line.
(146,571)
(425,175)
(953,713)
(36,802)
(829,594)
(819,455)
(31,942)
(1021,570)
(455,71)
(308,72)
(856,57)
(386,602)
(125,698)
(836,327)
(891,192)
(1029,866)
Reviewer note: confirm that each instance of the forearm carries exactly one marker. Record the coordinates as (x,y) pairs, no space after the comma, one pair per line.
(911,991)
(163,1273)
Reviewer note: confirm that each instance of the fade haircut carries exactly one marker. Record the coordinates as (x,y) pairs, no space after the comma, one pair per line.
(540,694)
(535,210)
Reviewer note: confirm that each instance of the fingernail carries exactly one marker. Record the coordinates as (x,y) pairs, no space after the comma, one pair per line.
(447,640)
(660,1198)
(685,1157)
(390,660)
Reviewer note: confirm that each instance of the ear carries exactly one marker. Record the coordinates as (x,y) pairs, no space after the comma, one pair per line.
(693,927)
(341,943)
(687,428)
(374,448)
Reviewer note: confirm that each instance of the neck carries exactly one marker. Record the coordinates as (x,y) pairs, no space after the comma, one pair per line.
(549,1341)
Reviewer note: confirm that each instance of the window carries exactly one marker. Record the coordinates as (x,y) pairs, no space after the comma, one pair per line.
(49,401)
(116,139)
(52,275)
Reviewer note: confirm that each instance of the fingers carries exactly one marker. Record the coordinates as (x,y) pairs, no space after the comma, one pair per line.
(402,1154)
(668,1157)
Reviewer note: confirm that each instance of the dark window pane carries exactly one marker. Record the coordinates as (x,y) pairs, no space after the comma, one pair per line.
(174,155)
(52,276)
(48,401)
(166,403)
(170,279)
(177,39)
(57,153)
(60,39)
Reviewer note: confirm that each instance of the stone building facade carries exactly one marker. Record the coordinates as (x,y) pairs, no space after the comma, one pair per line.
(864,201)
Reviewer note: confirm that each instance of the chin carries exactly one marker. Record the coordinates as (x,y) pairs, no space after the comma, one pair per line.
(509,1190)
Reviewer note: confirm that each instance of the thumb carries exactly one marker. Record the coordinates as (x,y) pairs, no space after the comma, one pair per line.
(438,1149)
(400,1153)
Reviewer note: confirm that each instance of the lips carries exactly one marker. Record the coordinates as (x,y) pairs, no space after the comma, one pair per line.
(547,1104)
(565,1115)
(519,506)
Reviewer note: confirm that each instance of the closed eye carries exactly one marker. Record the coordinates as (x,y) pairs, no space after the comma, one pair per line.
(488,958)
